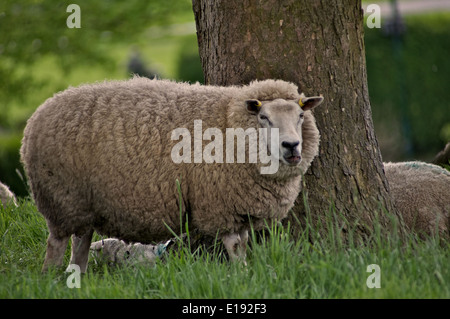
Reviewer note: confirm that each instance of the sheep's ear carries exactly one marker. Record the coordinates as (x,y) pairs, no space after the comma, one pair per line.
(308,103)
(253,106)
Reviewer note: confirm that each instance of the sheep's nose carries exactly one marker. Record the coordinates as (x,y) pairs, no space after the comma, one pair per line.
(290,145)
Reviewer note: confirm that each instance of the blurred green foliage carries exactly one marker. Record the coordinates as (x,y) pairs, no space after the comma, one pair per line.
(189,64)
(40,55)
(31,29)
(409,87)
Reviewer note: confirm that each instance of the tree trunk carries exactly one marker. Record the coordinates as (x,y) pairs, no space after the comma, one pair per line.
(319,46)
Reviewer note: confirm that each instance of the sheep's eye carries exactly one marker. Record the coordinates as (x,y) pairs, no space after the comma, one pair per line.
(302,115)
(265,118)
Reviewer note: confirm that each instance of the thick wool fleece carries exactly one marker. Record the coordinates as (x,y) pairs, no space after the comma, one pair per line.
(99,157)
(421,193)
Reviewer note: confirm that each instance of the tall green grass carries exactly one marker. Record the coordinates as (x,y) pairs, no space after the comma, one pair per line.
(278,267)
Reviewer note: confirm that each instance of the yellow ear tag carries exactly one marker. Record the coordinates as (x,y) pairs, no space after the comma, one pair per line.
(258,104)
(301,103)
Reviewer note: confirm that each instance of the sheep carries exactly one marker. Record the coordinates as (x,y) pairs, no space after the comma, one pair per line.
(6,196)
(101,157)
(116,251)
(420,192)
(137,66)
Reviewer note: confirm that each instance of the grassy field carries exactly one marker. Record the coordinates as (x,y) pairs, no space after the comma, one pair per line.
(278,267)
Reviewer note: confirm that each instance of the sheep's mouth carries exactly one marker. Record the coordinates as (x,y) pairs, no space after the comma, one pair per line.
(293,159)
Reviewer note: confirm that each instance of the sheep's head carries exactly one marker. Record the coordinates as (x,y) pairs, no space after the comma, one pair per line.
(287,116)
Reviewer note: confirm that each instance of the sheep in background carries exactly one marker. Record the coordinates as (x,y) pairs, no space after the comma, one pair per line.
(443,157)
(421,192)
(6,196)
(98,157)
(136,66)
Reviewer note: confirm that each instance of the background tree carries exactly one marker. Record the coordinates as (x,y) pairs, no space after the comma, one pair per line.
(319,46)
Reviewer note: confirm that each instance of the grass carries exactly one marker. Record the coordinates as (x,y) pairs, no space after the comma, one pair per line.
(278,267)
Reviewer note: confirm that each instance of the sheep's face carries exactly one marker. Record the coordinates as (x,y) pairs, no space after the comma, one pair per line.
(287,116)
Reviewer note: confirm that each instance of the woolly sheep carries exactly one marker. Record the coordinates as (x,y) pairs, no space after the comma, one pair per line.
(6,196)
(98,157)
(421,194)
(116,251)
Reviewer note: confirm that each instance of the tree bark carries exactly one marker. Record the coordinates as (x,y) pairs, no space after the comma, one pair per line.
(318,45)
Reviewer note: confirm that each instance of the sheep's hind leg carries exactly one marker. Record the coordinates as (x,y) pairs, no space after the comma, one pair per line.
(80,250)
(56,248)
(236,245)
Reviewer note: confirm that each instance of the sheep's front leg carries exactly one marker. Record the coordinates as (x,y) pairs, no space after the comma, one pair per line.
(236,245)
